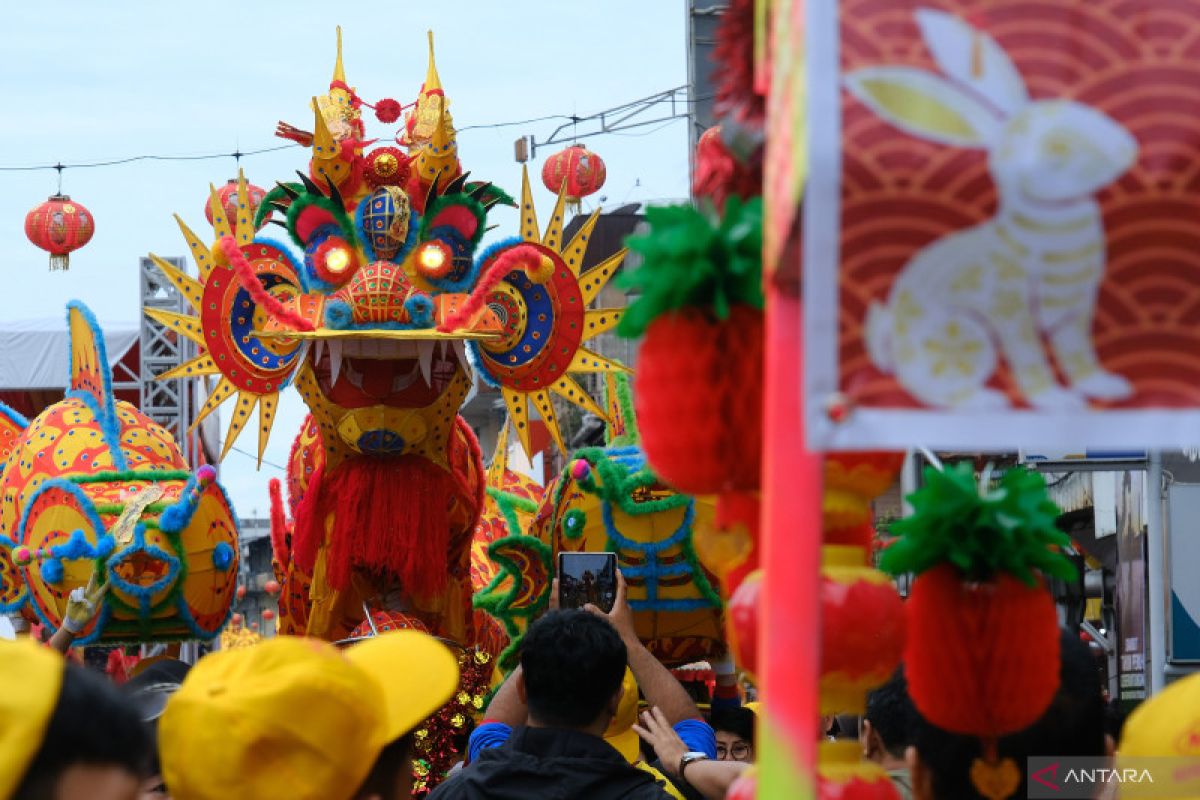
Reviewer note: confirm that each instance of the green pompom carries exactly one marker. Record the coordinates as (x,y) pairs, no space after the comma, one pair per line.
(1008,529)
(692,260)
(574,521)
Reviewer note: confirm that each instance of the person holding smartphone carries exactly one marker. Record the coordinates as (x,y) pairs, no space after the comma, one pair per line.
(545,726)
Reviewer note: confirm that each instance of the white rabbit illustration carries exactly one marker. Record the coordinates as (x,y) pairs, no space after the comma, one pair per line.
(1032,270)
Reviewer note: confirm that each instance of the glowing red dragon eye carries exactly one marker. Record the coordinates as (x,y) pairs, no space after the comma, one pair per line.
(334,261)
(434,260)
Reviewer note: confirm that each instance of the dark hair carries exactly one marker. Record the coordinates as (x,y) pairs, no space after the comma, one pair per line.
(738,721)
(573,662)
(392,760)
(1073,725)
(890,712)
(91,724)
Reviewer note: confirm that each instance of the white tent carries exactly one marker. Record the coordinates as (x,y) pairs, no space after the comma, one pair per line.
(34,353)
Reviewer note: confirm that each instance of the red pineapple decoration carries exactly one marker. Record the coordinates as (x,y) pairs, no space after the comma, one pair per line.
(983,629)
(582,170)
(60,226)
(698,388)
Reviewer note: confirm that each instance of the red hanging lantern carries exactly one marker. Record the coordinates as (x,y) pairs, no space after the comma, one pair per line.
(241,592)
(271,587)
(268,615)
(582,170)
(228,196)
(60,226)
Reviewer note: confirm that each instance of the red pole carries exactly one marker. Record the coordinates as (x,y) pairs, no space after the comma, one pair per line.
(791,542)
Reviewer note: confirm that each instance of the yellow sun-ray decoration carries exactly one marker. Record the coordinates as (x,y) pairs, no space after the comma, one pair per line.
(217,287)
(571,291)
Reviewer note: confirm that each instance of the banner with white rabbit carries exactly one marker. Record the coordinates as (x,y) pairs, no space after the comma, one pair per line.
(1002,238)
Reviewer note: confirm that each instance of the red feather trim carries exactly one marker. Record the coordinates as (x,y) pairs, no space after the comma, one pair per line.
(734,75)
(249,281)
(279,526)
(521,257)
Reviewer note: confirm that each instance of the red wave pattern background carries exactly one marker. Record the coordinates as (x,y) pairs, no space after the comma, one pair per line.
(1136,61)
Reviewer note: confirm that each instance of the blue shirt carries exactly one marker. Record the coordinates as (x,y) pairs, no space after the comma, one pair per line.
(695,733)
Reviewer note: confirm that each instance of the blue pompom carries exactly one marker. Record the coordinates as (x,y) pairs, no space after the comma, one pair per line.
(222,556)
(52,571)
(338,314)
(420,310)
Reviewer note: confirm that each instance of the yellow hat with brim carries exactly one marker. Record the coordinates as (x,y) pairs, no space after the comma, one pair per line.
(417,673)
(620,733)
(1167,724)
(32,677)
(297,718)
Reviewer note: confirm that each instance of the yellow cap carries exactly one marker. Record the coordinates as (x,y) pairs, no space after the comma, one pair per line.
(298,718)
(32,676)
(620,733)
(1167,724)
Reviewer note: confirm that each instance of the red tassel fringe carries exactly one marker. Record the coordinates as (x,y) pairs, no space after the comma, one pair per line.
(279,526)
(391,515)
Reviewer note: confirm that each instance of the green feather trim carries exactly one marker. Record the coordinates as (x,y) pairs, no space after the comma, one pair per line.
(152,475)
(691,260)
(1010,528)
(338,213)
(446,201)
(276,194)
(632,436)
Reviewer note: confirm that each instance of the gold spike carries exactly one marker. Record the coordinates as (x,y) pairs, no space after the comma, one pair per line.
(529,223)
(220,224)
(200,365)
(200,251)
(567,388)
(596,278)
(188,326)
(239,418)
(587,361)
(499,465)
(266,418)
(545,407)
(220,394)
(432,81)
(598,320)
(440,155)
(518,410)
(554,227)
(189,288)
(339,72)
(244,226)
(574,251)
(324,147)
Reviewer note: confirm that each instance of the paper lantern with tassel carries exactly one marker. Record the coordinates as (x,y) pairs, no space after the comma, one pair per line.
(60,226)
(581,170)
(227,196)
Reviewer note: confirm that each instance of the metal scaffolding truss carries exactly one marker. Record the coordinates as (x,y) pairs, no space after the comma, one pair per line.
(169,403)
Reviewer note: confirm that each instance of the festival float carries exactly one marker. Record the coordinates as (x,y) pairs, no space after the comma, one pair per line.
(93,490)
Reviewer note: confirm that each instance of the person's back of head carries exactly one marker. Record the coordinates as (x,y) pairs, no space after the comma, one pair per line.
(887,723)
(1073,725)
(572,663)
(94,746)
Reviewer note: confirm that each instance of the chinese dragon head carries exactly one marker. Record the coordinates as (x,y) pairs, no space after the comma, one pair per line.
(378,308)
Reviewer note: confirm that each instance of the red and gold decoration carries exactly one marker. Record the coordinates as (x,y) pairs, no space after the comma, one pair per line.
(94,490)
(60,226)
(577,169)
(230,201)
(442,740)
(862,615)
(982,626)
(370,312)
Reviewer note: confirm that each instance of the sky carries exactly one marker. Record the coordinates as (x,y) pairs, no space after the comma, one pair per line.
(95,81)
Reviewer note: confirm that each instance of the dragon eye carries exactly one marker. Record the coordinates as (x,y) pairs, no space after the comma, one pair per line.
(333,261)
(434,260)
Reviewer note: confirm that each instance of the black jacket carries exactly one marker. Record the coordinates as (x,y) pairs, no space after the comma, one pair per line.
(550,763)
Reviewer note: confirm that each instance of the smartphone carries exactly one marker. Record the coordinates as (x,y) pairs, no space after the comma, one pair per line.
(587,578)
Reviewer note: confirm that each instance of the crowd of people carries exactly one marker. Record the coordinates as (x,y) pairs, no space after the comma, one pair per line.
(300,718)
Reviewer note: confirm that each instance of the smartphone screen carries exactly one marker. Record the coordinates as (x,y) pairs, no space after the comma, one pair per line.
(587,578)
